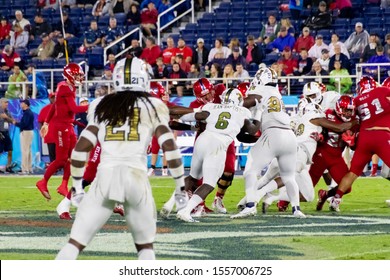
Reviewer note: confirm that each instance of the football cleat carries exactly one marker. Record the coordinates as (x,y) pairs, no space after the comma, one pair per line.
(298,214)
(42,187)
(206,209)
(63,188)
(322,197)
(282,205)
(181,200)
(334,204)
(248,211)
(164,212)
(198,211)
(186,217)
(164,172)
(65,216)
(241,204)
(77,197)
(118,209)
(387,202)
(151,172)
(218,205)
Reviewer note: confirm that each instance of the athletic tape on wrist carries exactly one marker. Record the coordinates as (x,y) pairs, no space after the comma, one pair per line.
(164,137)
(89,136)
(178,174)
(171,155)
(188,117)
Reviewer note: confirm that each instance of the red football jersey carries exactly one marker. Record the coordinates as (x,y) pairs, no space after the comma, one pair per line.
(50,136)
(373,108)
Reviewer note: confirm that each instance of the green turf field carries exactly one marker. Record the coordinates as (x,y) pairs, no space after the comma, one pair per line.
(30,228)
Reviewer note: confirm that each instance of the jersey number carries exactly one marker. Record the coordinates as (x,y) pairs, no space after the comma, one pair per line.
(364,112)
(116,133)
(222,122)
(274,105)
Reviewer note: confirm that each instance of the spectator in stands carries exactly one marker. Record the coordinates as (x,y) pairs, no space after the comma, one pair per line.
(169,52)
(278,68)
(195,74)
(81,117)
(287,61)
(252,53)
(45,49)
(135,49)
(370,49)
(270,30)
(167,17)
(40,82)
(228,74)
(318,71)
(100,8)
(67,4)
(5,29)
(111,61)
(379,57)
(316,49)
(387,45)
(51,4)
(335,40)
(321,19)
(200,54)
(39,26)
(342,81)
(219,48)
(287,23)
(200,5)
(284,40)
(215,72)
(69,26)
(24,23)
(134,15)
(218,59)
(241,74)
(338,56)
(185,66)
(112,33)
(176,86)
(235,58)
(234,42)
(305,64)
(59,48)
(151,51)
(119,6)
(18,37)
(357,41)
(160,70)
(149,17)
(296,7)
(105,88)
(304,41)
(184,50)
(324,59)
(14,89)
(92,36)
(85,3)
(345,8)
(9,58)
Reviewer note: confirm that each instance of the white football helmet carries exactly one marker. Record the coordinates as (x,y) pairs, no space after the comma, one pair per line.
(311,107)
(312,90)
(232,96)
(131,74)
(264,76)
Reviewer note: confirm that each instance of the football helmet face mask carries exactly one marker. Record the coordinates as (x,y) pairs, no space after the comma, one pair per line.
(73,73)
(345,108)
(264,76)
(366,84)
(312,90)
(243,88)
(131,74)
(204,91)
(386,82)
(232,96)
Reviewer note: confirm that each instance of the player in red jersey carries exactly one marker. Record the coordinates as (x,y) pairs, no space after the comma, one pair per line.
(373,109)
(62,115)
(328,154)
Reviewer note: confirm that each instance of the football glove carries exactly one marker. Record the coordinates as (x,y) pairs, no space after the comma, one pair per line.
(349,138)
(317,136)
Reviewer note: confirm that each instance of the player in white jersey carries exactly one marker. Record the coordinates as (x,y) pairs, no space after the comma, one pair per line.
(223,122)
(277,141)
(313,93)
(123,123)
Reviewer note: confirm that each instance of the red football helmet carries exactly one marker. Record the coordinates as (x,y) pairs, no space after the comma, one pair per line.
(157,89)
(73,73)
(386,82)
(204,91)
(345,108)
(218,90)
(322,87)
(365,84)
(243,87)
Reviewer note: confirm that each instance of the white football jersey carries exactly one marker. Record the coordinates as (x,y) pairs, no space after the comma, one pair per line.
(329,99)
(126,144)
(271,106)
(225,119)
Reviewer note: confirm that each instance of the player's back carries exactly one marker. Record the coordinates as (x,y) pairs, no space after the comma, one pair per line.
(126,144)
(304,128)
(373,108)
(62,112)
(225,119)
(329,100)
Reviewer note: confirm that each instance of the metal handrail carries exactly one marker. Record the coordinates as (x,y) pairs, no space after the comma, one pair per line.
(159,28)
(359,68)
(24,84)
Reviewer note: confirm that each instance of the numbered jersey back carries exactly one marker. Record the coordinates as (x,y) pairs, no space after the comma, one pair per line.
(225,119)
(126,143)
(373,108)
(304,128)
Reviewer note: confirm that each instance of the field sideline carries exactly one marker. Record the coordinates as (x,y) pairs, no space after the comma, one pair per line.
(30,228)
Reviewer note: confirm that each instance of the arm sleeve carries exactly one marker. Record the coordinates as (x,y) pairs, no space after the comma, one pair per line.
(73,106)
(50,114)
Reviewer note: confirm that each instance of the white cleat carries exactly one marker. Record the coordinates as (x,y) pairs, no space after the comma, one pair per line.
(151,172)
(248,211)
(181,200)
(164,212)
(388,202)
(198,211)
(164,172)
(218,205)
(299,214)
(186,217)
(241,204)
(334,204)
(77,196)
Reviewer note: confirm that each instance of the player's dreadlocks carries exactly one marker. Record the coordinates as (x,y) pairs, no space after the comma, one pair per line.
(116,108)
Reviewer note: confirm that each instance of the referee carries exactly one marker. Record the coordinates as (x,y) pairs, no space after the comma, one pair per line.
(5,139)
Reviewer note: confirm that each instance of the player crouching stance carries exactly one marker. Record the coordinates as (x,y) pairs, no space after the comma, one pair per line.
(223,122)
(123,124)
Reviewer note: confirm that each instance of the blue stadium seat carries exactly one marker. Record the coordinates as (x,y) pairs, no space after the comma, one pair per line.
(374,22)
(76,11)
(47,63)
(95,60)
(121,18)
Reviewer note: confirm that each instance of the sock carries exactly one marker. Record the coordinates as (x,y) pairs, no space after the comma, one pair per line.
(250,204)
(296,208)
(85,183)
(339,194)
(221,195)
(374,168)
(68,252)
(153,166)
(331,192)
(146,254)
(165,167)
(193,202)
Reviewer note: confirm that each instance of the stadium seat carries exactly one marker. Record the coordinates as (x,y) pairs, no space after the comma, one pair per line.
(121,18)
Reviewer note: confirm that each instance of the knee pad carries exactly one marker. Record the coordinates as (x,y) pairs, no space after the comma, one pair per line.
(225,181)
